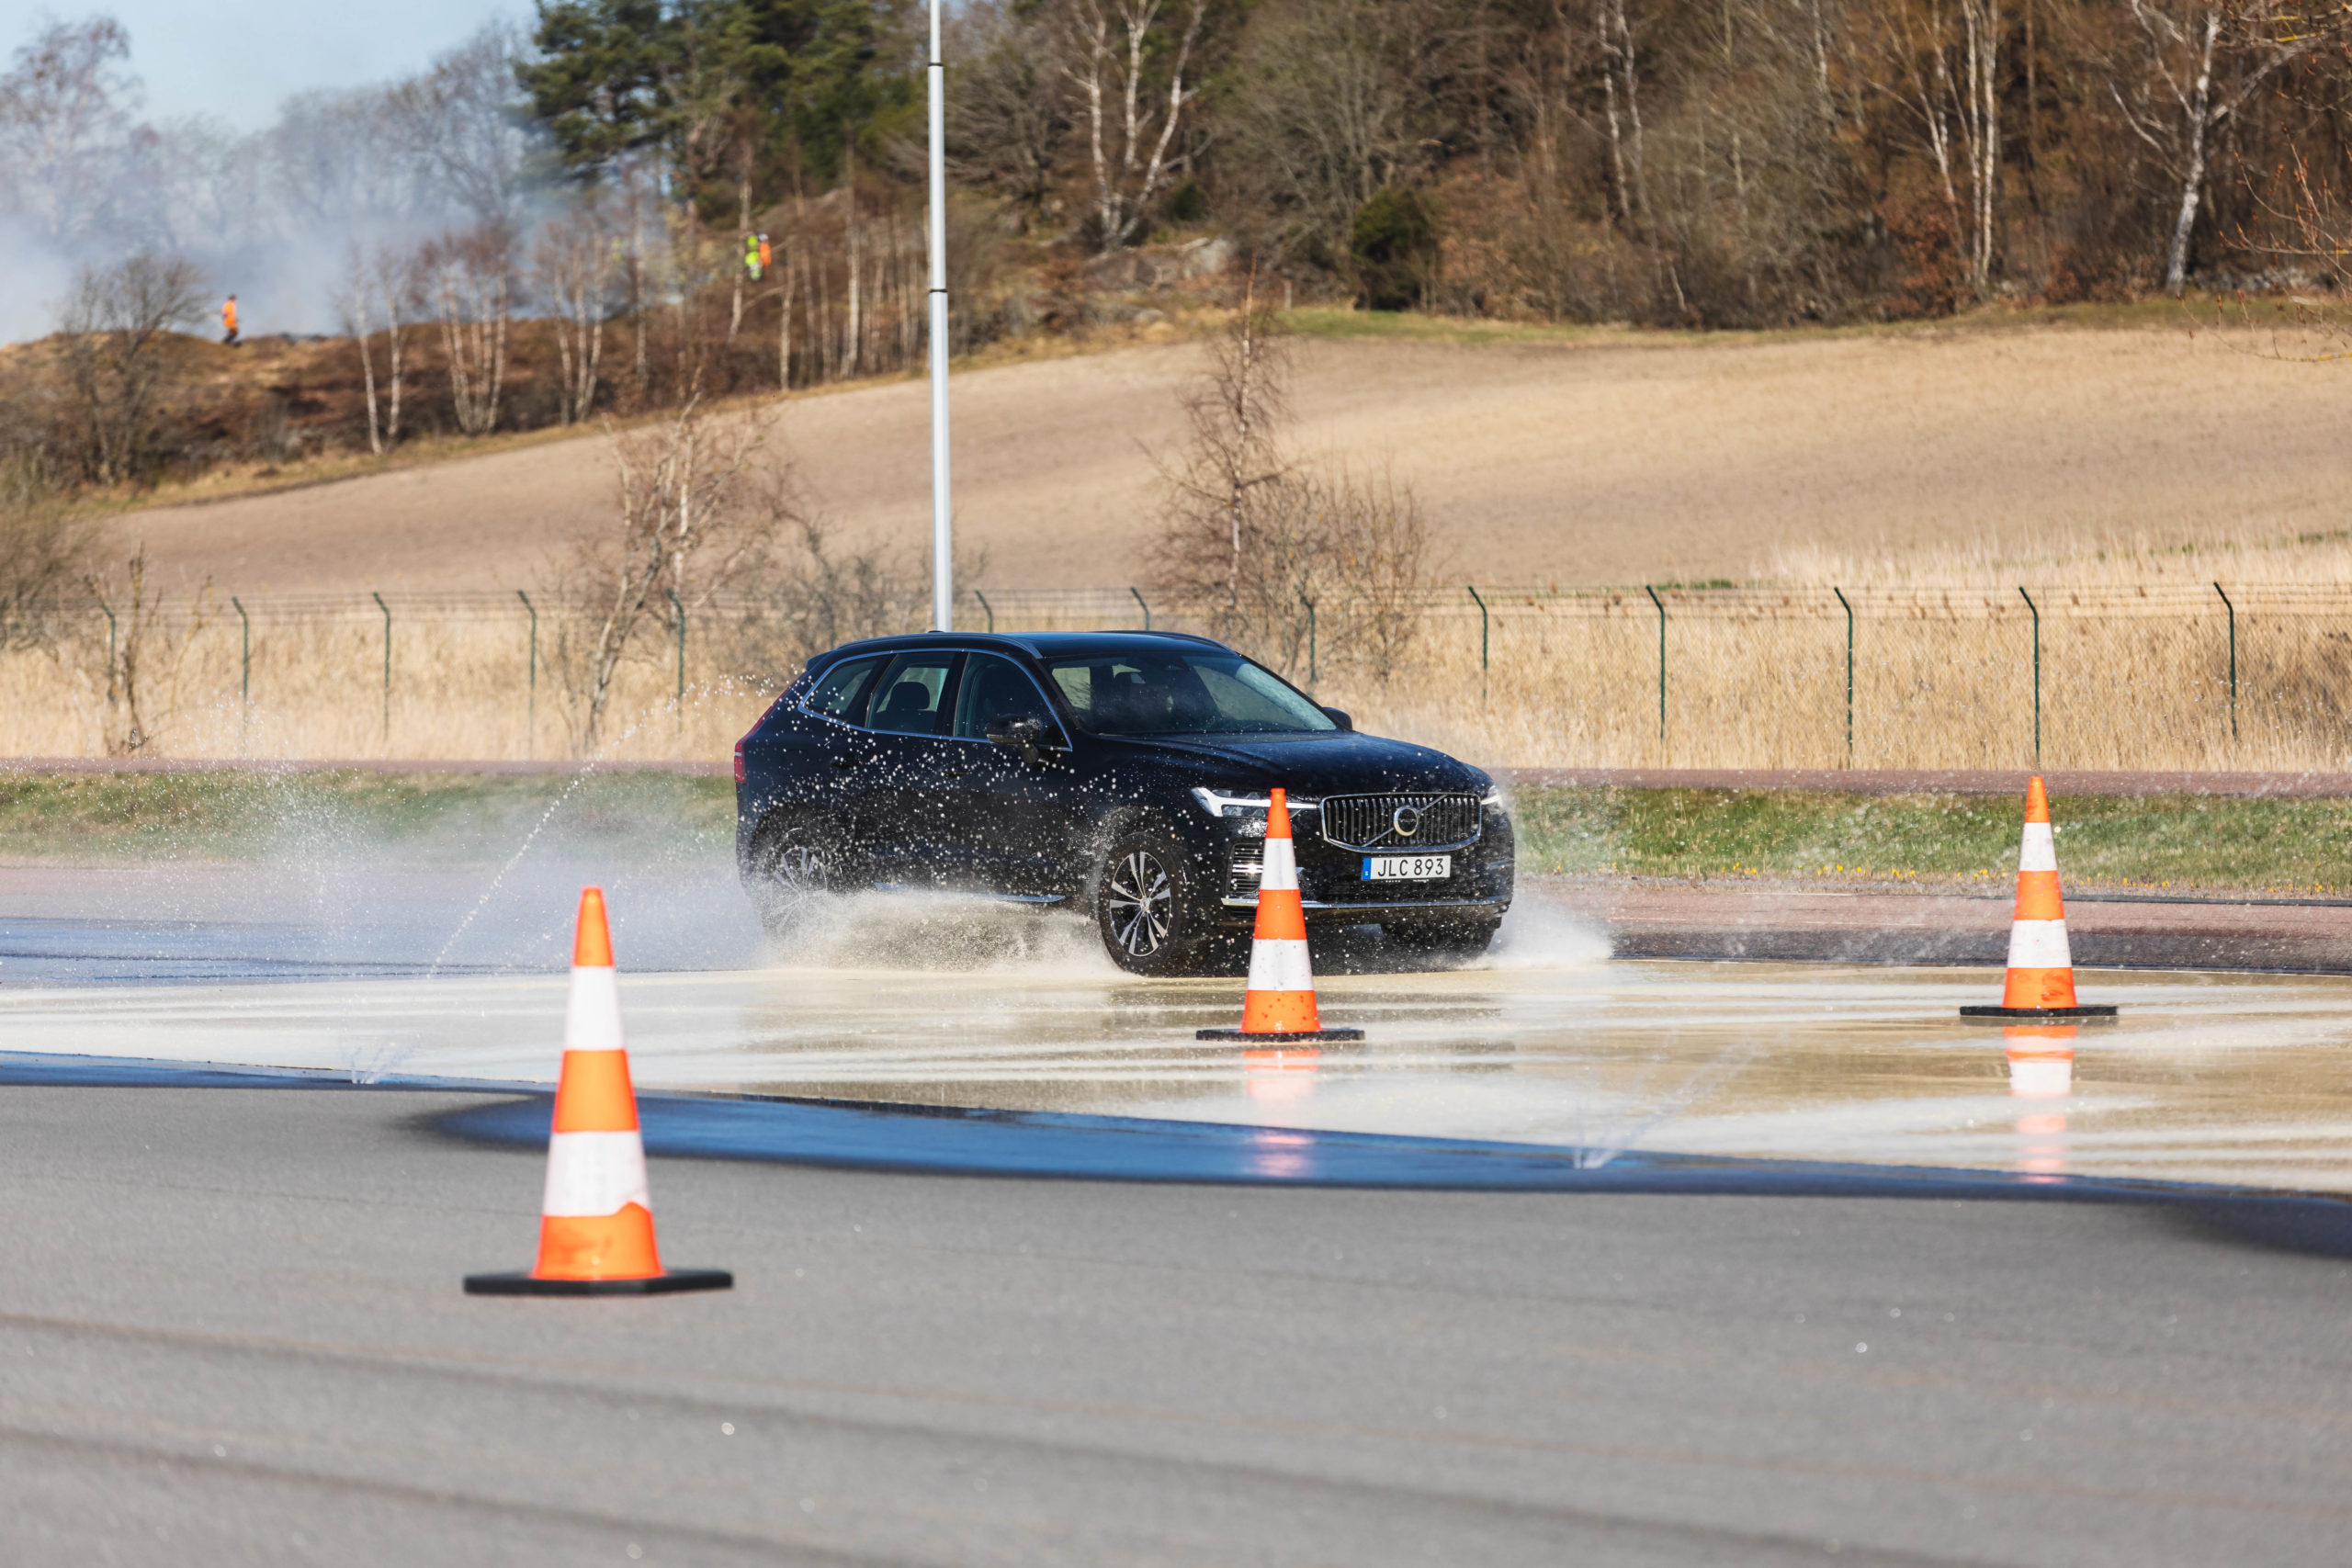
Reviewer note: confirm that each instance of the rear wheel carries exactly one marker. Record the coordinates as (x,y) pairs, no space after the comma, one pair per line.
(1154,914)
(1441,941)
(795,862)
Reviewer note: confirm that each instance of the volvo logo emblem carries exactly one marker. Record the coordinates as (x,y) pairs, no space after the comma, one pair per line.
(1407,821)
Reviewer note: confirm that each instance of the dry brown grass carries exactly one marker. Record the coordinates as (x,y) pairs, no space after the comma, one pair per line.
(2136,660)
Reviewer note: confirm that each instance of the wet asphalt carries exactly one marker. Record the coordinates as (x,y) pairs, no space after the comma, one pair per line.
(232,1332)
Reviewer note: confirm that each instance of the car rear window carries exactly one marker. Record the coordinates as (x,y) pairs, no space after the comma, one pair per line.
(837,688)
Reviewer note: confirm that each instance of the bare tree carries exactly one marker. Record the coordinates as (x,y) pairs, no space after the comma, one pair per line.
(1321,110)
(572,265)
(65,123)
(2204,59)
(115,323)
(147,645)
(379,290)
(1948,65)
(1275,554)
(45,551)
(1235,460)
(696,505)
(469,277)
(1131,121)
(461,125)
(1007,107)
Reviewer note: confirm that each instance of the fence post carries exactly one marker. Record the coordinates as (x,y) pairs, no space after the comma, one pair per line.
(244,676)
(1310,638)
(1661,660)
(531,704)
(680,611)
(2037,672)
(1473,589)
(2233,609)
(388,663)
(107,610)
(1849,673)
(986,606)
(1146,609)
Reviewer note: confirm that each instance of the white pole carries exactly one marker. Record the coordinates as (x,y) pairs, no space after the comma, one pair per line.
(943,526)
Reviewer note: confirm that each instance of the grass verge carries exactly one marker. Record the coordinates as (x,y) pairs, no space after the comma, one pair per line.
(426,818)
(2175,844)
(2186,844)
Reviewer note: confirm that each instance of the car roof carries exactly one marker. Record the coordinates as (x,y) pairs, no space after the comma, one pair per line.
(1037,645)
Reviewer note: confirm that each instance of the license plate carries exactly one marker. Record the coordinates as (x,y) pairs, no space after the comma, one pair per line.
(1407,868)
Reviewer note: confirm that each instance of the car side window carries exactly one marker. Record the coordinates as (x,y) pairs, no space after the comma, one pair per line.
(994,688)
(906,700)
(838,688)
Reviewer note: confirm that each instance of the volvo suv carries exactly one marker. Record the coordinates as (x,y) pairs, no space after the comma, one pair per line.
(1125,774)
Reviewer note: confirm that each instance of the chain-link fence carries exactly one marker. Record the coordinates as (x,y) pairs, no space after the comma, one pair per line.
(2247,676)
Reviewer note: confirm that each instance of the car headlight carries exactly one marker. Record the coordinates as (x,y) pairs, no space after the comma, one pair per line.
(1248,811)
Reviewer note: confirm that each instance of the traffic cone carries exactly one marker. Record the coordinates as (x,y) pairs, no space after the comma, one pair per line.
(596,1219)
(1280,1002)
(2041,971)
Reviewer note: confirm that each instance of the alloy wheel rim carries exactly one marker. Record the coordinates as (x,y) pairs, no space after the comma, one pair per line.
(1141,902)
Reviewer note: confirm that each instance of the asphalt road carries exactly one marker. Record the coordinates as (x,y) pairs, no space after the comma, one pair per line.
(231,1331)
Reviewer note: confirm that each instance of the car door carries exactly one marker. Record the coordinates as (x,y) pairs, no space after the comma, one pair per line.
(901,816)
(1012,816)
(827,771)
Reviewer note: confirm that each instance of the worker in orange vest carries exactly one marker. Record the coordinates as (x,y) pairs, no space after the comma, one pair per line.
(229,319)
(767,257)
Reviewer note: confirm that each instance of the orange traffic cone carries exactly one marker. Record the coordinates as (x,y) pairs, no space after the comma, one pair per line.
(2041,970)
(1280,1002)
(597,1220)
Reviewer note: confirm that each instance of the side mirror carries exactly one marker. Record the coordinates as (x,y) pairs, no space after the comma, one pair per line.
(1340,718)
(1020,733)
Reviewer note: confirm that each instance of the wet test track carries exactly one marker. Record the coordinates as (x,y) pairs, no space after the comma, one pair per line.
(230,1332)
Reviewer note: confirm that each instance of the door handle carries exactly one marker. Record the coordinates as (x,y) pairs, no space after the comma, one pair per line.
(843,761)
(959,772)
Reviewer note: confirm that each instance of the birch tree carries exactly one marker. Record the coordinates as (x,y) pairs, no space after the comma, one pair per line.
(2201,61)
(1111,56)
(470,280)
(573,269)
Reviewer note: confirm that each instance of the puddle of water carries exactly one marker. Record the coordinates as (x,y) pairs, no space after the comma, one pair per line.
(2209,1078)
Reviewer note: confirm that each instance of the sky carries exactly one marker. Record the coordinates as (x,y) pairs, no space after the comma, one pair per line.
(239,59)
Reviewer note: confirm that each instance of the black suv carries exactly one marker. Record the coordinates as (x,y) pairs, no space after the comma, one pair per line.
(1125,770)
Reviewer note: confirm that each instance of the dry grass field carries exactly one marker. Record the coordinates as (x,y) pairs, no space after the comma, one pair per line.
(1993,500)
(1569,457)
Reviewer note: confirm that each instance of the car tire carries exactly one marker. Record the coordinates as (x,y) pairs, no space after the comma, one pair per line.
(1155,915)
(1445,941)
(795,862)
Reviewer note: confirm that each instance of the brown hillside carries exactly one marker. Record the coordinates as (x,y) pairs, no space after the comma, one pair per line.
(1617,458)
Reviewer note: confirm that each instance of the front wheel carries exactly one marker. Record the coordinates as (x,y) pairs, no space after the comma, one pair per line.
(1154,915)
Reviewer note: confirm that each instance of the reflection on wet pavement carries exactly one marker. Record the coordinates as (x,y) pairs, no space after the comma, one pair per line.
(2209,1077)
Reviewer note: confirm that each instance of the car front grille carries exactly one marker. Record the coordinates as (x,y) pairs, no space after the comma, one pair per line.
(1370,821)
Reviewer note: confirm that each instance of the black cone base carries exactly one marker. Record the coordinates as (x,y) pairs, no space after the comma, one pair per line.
(670,1282)
(1279,1037)
(2039,1015)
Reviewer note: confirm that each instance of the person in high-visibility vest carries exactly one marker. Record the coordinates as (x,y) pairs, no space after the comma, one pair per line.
(753,253)
(229,319)
(767,259)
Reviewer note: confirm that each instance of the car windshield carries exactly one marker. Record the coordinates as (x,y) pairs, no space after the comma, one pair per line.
(1173,692)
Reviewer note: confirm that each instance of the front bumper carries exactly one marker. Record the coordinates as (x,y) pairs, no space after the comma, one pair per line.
(1332,892)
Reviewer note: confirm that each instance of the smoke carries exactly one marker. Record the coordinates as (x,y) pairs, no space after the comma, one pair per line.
(273,215)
